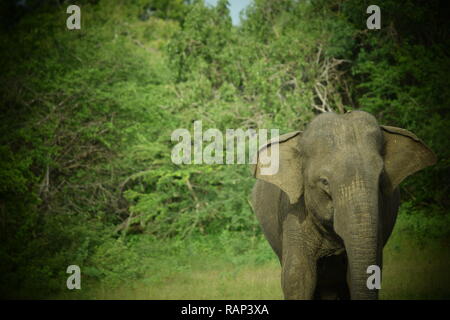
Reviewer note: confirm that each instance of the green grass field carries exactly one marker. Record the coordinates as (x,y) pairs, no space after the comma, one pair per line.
(221,268)
(415,269)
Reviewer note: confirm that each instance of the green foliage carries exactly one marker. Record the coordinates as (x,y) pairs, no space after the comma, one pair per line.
(201,43)
(424,224)
(164,9)
(400,75)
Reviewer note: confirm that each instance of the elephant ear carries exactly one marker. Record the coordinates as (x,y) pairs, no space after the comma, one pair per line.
(404,154)
(289,175)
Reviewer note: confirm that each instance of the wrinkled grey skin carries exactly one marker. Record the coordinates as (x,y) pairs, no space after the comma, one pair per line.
(332,206)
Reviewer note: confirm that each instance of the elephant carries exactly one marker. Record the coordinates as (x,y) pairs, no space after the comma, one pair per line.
(330,208)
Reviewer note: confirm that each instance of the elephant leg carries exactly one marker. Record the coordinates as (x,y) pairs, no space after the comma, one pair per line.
(298,279)
(298,275)
(331,275)
(266,205)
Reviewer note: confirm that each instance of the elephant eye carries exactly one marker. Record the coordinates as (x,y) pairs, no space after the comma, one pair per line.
(324,185)
(324,181)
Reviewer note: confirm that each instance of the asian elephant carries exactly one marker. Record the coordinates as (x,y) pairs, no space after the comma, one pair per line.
(330,208)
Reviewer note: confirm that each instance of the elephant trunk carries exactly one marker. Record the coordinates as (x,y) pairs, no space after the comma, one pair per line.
(361,255)
(360,233)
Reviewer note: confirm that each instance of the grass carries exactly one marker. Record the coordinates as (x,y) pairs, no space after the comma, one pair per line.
(214,267)
(416,269)
(221,267)
(249,282)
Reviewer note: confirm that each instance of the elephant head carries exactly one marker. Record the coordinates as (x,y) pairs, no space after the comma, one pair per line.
(342,166)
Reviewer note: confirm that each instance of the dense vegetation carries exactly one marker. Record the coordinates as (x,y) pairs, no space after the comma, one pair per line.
(87,115)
